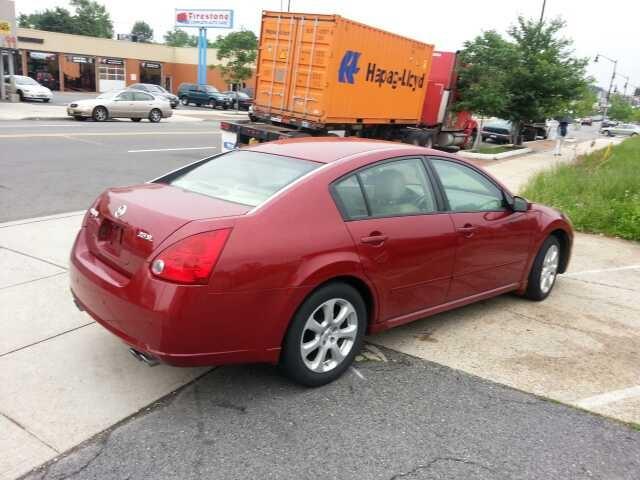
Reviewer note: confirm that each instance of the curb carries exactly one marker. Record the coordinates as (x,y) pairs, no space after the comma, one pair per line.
(494,156)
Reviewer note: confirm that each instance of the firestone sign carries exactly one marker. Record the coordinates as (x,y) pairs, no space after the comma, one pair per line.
(204,18)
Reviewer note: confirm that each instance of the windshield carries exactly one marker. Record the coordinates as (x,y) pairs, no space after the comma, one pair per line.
(211,89)
(243,176)
(25,80)
(157,88)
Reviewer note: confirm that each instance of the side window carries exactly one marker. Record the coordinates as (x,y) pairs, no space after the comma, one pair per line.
(398,188)
(350,198)
(142,97)
(466,189)
(125,97)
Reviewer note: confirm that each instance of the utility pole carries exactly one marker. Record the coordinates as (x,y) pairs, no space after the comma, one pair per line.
(544,5)
(613,77)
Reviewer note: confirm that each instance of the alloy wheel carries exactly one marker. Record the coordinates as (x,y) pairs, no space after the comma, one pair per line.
(328,335)
(549,268)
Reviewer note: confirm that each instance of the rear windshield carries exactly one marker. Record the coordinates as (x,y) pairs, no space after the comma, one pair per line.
(243,176)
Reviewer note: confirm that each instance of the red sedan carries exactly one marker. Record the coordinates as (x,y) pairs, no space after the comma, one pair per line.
(290,252)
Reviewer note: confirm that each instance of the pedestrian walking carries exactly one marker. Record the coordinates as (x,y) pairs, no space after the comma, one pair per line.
(563,125)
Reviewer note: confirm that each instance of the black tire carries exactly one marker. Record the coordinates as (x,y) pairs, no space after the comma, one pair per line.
(291,360)
(609,133)
(414,138)
(79,118)
(155,115)
(184,100)
(534,290)
(46,100)
(100,114)
(426,140)
(136,119)
(21,95)
(633,135)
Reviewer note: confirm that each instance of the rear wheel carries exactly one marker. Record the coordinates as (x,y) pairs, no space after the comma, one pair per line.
(155,115)
(212,104)
(100,114)
(325,335)
(46,100)
(544,271)
(21,95)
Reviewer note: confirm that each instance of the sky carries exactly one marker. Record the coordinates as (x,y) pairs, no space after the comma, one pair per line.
(594,27)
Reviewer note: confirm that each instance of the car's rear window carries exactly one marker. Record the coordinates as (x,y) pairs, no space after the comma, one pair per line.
(243,176)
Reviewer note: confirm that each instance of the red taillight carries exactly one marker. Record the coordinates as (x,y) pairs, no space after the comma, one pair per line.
(192,259)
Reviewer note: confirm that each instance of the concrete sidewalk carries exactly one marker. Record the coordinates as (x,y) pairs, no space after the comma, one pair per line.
(65,379)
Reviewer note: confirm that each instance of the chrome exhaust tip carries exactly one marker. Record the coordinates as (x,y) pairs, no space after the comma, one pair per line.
(143,357)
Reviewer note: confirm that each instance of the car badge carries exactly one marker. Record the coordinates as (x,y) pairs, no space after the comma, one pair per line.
(121,210)
(145,236)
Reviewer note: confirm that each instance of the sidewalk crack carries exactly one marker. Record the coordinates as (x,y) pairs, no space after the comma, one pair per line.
(34,257)
(22,427)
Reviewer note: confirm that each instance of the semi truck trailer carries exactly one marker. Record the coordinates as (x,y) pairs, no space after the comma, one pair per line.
(320,75)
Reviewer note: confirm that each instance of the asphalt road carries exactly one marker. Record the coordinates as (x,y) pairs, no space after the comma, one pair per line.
(401,419)
(61,166)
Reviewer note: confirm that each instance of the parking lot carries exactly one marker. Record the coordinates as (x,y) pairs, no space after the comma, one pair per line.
(461,393)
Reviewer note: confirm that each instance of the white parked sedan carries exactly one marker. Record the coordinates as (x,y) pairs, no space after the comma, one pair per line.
(28,89)
(628,129)
(132,104)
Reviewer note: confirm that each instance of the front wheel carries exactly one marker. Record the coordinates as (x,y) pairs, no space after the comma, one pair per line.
(325,335)
(100,114)
(184,100)
(155,115)
(544,271)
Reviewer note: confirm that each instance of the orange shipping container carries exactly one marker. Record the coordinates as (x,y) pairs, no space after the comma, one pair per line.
(316,70)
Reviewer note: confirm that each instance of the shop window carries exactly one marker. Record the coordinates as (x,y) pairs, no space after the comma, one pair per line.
(43,67)
(151,72)
(79,73)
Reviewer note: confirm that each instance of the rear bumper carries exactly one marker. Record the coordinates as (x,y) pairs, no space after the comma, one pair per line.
(180,325)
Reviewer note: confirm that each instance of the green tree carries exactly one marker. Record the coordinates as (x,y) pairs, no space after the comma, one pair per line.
(238,51)
(142,31)
(52,20)
(177,38)
(180,38)
(483,81)
(586,104)
(533,69)
(90,19)
(620,109)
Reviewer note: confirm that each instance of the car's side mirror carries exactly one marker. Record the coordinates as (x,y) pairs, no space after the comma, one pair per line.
(519,204)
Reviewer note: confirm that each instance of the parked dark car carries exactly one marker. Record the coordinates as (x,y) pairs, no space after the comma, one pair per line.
(157,90)
(244,101)
(498,131)
(586,121)
(203,95)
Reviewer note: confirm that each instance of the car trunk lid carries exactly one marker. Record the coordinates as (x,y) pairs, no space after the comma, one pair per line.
(128,224)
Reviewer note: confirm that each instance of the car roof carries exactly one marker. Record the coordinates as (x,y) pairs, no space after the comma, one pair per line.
(331,149)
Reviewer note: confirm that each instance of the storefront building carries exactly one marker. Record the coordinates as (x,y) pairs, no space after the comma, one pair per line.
(76,63)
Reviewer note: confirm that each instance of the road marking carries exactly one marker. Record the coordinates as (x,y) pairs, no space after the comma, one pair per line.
(105,134)
(604,270)
(171,149)
(357,372)
(609,397)
(39,125)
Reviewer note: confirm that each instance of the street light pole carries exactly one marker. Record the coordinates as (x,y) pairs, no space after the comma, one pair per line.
(613,77)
